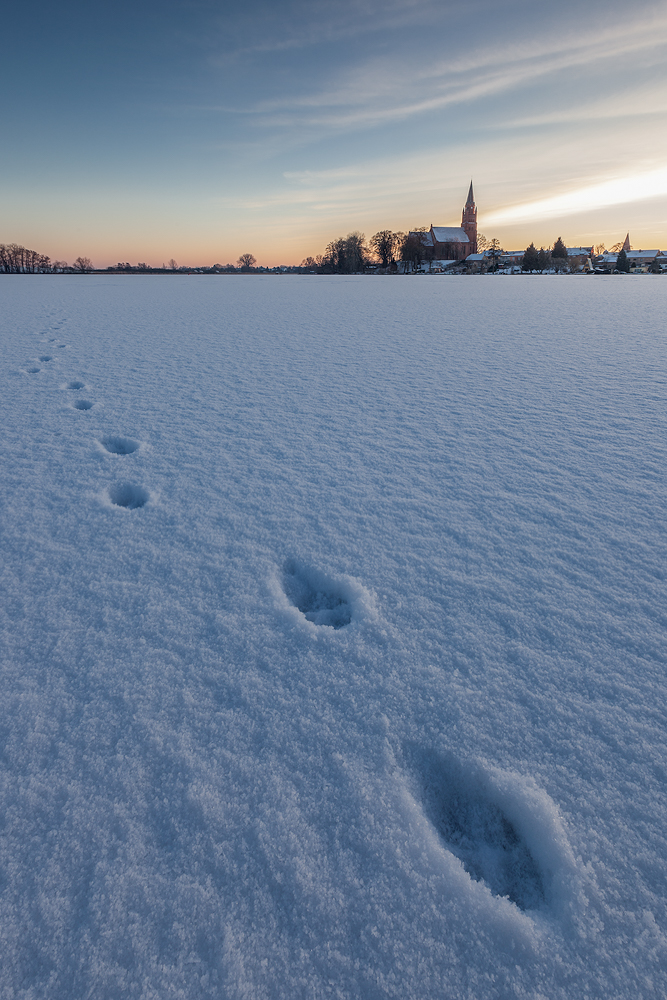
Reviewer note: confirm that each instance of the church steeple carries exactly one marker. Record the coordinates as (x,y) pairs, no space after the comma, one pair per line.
(626,245)
(469,220)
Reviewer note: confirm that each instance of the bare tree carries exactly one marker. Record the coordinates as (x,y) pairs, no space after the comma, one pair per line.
(172,265)
(15,259)
(83,264)
(246,261)
(384,244)
(346,255)
(415,249)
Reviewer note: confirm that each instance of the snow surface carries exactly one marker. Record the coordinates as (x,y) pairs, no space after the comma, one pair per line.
(333,623)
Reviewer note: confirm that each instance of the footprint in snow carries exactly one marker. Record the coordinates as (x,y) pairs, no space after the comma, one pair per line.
(119,445)
(472,822)
(45,357)
(83,404)
(128,496)
(32,371)
(76,385)
(319,598)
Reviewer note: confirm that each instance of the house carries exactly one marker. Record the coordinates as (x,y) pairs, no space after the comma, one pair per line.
(636,259)
(579,257)
(511,258)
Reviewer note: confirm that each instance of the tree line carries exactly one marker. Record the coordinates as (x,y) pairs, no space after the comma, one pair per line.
(15,259)
(353,253)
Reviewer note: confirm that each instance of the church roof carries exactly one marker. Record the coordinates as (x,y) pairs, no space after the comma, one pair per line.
(425,237)
(449,234)
(471,198)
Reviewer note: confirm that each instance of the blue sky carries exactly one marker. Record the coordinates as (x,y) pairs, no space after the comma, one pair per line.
(201,130)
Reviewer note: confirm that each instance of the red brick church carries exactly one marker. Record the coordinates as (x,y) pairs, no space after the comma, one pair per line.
(450,242)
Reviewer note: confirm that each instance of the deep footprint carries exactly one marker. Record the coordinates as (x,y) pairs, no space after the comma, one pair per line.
(83,404)
(318,598)
(45,357)
(119,445)
(76,385)
(476,831)
(128,496)
(32,371)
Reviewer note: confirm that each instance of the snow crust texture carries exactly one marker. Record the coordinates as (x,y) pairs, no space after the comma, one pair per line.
(332,638)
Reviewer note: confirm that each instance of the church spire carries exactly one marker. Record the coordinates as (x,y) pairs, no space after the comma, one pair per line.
(626,245)
(469,221)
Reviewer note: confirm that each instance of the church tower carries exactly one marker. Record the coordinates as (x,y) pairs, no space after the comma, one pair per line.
(469,220)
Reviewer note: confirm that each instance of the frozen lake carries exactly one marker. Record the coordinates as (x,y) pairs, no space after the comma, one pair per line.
(333,620)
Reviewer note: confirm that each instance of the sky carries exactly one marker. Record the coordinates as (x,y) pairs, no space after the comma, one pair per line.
(199,129)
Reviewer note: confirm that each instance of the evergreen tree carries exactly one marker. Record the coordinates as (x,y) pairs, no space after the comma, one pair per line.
(531,259)
(622,262)
(493,252)
(543,259)
(559,250)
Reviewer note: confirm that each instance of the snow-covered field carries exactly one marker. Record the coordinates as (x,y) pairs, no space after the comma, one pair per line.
(333,627)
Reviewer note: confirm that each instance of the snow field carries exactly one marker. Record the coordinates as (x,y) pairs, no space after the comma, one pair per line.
(332,637)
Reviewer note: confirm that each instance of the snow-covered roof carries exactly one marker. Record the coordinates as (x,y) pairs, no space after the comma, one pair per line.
(449,234)
(579,251)
(611,258)
(425,237)
(476,256)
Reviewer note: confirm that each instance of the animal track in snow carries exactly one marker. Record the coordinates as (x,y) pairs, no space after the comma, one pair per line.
(83,404)
(320,599)
(32,371)
(128,496)
(45,357)
(119,445)
(75,385)
(465,809)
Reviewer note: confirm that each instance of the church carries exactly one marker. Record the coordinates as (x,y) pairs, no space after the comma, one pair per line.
(450,242)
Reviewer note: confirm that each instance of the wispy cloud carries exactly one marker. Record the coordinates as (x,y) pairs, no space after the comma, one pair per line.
(633,103)
(302,25)
(382,91)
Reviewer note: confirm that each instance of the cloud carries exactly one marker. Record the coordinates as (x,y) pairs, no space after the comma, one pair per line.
(619,191)
(385,90)
(302,25)
(632,103)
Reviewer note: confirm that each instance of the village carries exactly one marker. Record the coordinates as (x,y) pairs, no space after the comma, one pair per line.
(462,250)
